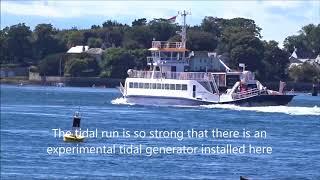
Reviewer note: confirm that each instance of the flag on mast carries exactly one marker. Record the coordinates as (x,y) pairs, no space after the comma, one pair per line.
(172,19)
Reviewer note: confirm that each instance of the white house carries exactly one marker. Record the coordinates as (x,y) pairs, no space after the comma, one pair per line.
(296,61)
(78,49)
(93,52)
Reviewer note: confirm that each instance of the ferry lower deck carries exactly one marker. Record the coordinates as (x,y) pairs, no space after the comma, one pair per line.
(180,92)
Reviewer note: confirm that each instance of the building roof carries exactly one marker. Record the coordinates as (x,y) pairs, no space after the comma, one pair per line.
(294,60)
(77,49)
(317,60)
(295,54)
(95,51)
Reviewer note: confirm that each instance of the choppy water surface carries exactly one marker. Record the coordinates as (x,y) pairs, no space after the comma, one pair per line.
(29,113)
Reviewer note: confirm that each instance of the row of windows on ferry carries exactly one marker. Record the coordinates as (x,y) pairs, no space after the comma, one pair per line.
(182,87)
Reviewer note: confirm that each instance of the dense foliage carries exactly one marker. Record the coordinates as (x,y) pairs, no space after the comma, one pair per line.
(239,39)
(116,61)
(81,66)
(305,73)
(307,42)
(52,64)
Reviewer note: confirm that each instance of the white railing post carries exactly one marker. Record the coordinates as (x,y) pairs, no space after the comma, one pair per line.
(245,94)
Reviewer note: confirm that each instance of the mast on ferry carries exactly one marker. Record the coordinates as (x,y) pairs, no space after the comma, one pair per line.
(184,28)
(170,56)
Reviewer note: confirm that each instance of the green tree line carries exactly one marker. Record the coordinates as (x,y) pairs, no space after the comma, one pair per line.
(126,46)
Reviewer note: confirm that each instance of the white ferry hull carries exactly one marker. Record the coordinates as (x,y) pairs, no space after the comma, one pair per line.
(260,100)
(164,101)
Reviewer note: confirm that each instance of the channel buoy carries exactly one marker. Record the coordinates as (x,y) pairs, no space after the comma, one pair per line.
(75,135)
(243,178)
(314,90)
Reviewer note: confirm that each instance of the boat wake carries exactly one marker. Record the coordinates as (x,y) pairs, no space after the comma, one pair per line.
(290,110)
(270,109)
(122,101)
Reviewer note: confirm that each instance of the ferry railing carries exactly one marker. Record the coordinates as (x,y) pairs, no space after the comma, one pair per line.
(166,44)
(165,60)
(248,93)
(171,75)
(220,79)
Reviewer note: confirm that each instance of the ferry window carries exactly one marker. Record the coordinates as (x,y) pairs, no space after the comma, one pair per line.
(174,54)
(131,85)
(135,85)
(184,87)
(166,86)
(146,85)
(252,86)
(158,86)
(162,86)
(178,86)
(140,85)
(153,86)
(172,87)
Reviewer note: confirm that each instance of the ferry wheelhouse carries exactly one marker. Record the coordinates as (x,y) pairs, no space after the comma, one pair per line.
(168,82)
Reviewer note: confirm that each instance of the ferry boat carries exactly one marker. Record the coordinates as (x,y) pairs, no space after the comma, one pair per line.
(168,83)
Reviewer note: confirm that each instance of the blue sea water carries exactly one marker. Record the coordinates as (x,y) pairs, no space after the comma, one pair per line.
(29,113)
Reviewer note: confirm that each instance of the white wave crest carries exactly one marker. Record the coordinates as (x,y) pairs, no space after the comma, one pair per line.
(271,109)
(121,100)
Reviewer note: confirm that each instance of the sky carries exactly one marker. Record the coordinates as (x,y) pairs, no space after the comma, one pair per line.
(277,18)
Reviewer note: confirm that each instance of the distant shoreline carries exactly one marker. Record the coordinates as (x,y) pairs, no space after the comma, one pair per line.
(113,83)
